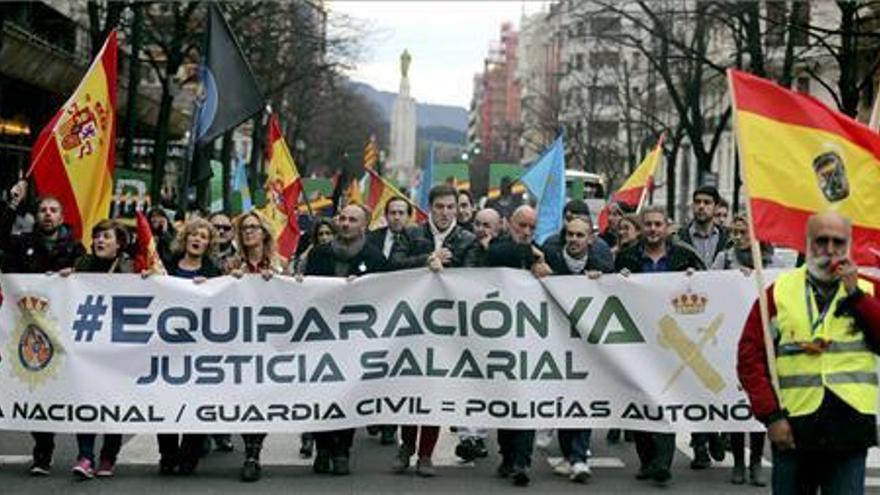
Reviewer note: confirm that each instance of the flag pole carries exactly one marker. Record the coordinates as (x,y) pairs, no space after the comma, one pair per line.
(758,262)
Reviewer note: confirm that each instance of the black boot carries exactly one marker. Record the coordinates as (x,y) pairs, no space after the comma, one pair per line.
(251,469)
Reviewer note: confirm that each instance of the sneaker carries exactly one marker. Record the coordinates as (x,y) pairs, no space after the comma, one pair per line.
(563,468)
(322,463)
(756,475)
(401,460)
(425,468)
(83,469)
(520,477)
(701,459)
(105,468)
(250,470)
(580,472)
(466,450)
(41,466)
(738,475)
(482,451)
(341,465)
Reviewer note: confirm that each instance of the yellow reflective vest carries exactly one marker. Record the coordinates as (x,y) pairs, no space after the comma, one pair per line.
(846,366)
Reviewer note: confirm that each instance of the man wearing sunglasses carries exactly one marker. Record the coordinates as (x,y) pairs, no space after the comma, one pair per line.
(224,254)
(825,325)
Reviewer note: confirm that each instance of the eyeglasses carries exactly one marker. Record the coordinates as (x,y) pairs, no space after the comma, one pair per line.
(824,240)
(250,228)
(223,228)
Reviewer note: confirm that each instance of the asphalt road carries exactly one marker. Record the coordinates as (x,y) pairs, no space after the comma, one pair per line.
(285,472)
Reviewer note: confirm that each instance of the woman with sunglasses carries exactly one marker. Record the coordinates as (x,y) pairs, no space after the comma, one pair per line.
(256,256)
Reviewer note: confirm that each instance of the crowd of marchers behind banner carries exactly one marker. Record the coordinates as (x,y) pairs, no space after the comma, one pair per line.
(820,418)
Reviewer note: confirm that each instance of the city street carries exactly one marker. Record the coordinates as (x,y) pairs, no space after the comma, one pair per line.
(285,472)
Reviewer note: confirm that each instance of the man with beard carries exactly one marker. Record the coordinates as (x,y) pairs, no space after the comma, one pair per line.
(440,239)
(574,258)
(397,214)
(348,255)
(702,233)
(518,251)
(49,248)
(466,210)
(439,243)
(163,233)
(825,326)
(656,252)
(224,256)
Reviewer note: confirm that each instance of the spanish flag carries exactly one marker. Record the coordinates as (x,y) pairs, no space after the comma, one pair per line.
(632,193)
(74,156)
(379,193)
(146,257)
(801,157)
(283,189)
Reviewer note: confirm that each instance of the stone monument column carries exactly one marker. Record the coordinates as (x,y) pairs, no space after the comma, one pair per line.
(402,161)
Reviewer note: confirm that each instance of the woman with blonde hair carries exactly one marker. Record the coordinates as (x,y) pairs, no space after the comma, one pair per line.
(256,255)
(191,258)
(256,247)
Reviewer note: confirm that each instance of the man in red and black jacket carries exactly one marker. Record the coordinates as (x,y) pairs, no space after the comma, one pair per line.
(825,325)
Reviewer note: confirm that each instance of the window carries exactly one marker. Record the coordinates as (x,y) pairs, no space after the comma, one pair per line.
(603,95)
(604,26)
(579,61)
(604,60)
(603,129)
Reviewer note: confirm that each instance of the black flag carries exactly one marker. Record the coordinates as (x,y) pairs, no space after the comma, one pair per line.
(230,94)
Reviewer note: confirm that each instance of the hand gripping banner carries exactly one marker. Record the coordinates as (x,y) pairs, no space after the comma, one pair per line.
(476,347)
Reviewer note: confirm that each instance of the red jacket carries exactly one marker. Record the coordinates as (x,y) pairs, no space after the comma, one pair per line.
(751,364)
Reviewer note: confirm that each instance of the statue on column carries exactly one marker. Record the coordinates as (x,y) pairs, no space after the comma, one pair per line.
(405,60)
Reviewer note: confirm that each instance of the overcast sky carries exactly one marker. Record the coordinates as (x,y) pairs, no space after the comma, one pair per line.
(447,40)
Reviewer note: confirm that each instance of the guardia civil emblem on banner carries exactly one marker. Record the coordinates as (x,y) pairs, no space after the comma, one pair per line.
(34,348)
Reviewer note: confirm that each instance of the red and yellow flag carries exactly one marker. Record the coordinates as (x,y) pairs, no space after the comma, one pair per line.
(283,189)
(147,257)
(801,157)
(74,156)
(379,193)
(639,183)
(371,153)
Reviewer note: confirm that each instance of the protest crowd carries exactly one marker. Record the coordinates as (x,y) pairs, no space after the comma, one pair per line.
(803,423)
(806,357)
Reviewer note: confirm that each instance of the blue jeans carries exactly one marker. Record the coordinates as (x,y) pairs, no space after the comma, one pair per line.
(574,444)
(835,472)
(85,443)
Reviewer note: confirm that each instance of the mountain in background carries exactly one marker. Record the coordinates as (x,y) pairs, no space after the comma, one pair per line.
(435,122)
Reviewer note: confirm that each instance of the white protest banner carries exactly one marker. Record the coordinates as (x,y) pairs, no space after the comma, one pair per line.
(476,347)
